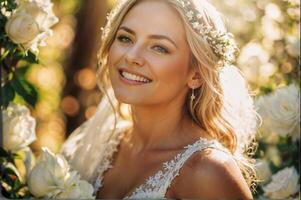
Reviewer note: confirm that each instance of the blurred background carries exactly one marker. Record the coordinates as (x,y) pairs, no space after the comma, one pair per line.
(267,32)
(65,79)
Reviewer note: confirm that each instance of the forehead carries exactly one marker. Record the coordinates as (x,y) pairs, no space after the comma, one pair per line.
(155,16)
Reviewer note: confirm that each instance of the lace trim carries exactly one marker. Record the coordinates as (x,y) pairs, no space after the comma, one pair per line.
(106,162)
(156,185)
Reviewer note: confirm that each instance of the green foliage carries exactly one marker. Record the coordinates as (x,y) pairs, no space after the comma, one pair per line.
(289,152)
(11,185)
(9,94)
(9,5)
(11,55)
(23,87)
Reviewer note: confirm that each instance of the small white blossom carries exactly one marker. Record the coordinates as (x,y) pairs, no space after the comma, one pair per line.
(190,15)
(196,25)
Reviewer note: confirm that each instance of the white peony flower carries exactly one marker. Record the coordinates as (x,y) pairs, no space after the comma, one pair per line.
(280,112)
(263,171)
(284,184)
(82,189)
(30,24)
(18,127)
(29,160)
(48,176)
(51,178)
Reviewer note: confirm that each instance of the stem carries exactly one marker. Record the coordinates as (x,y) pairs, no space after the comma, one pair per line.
(4,73)
(4,55)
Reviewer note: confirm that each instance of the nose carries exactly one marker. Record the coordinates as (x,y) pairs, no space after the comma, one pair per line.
(134,56)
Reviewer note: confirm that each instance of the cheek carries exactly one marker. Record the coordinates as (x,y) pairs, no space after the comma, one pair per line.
(172,71)
(114,55)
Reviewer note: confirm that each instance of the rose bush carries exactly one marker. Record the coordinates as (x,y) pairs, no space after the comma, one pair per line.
(49,177)
(26,24)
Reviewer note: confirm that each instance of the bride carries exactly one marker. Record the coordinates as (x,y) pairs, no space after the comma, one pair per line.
(191,117)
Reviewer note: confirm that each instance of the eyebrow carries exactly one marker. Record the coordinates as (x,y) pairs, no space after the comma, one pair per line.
(161,37)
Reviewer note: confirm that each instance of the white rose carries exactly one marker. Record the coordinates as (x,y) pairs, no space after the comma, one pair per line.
(263,171)
(280,112)
(18,127)
(30,24)
(48,176)
(283,184)
(51,178)
(80,189)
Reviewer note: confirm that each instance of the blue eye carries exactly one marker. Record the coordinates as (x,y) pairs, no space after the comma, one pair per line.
(160,49)
(124,39)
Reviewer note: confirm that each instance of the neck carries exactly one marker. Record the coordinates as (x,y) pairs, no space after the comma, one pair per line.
(159,127)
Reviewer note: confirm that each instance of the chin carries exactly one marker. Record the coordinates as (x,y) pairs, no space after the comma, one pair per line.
(126,97)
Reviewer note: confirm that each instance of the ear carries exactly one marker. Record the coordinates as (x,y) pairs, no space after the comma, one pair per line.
(194,80)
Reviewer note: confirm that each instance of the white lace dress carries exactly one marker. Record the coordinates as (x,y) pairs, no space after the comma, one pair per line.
(156,185)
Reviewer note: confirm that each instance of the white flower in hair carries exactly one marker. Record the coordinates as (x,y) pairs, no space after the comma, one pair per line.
(190,15)
(222,43)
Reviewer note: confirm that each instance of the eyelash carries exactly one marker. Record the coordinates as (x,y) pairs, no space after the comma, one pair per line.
(162,49)
(159,48)
(121,38)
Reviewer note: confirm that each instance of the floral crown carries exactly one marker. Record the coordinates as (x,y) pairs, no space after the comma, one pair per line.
(222,43)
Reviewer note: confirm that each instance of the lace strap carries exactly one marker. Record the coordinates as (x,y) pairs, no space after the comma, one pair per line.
(157,185)
(173,167)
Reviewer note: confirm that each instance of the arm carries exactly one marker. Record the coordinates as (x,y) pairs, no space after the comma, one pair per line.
(211,174)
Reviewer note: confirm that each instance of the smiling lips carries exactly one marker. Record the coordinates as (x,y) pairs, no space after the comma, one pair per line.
(134,77)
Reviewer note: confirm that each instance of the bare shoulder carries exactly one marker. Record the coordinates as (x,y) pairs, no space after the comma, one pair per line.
(211,174)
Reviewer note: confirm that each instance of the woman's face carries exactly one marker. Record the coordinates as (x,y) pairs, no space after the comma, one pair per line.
(149,58)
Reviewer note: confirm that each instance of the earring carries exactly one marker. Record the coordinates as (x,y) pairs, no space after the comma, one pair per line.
(192,97)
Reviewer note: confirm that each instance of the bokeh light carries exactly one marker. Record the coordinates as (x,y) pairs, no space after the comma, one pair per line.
(70,105)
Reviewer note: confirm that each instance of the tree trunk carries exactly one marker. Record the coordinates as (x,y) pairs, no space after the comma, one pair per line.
(91,18)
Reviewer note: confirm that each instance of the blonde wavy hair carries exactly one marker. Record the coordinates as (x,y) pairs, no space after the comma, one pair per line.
(222,107)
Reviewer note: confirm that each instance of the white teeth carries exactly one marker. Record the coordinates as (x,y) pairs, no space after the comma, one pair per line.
(134,77)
